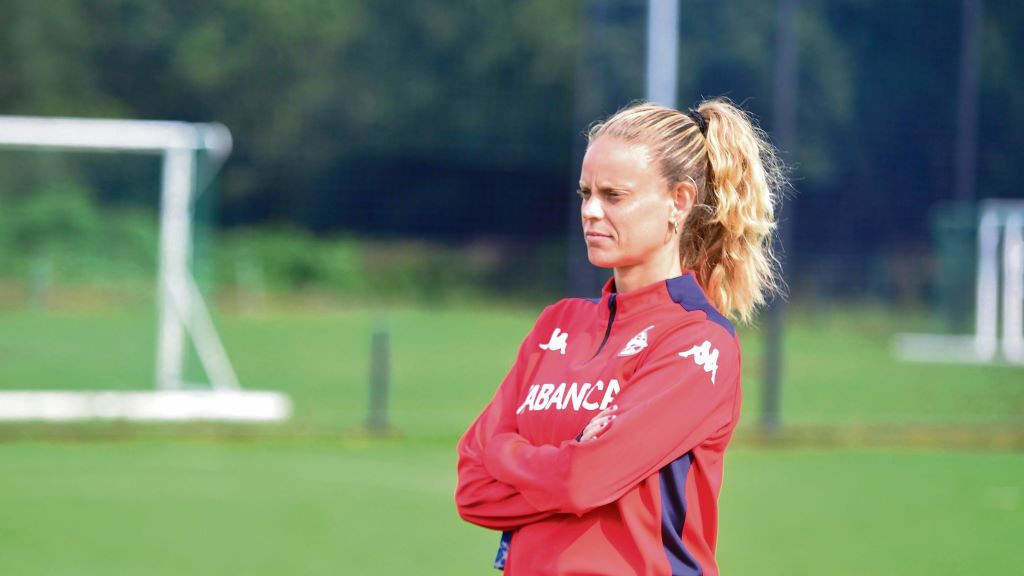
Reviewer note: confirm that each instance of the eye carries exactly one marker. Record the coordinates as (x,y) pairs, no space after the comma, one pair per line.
(583,193)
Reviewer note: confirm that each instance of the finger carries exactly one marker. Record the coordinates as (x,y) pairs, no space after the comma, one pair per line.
(601,418)
(597,431)
(595,425)
(596,428)
(589,432)
(607,412)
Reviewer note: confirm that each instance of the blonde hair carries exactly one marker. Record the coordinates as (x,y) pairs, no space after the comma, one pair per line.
(727,237)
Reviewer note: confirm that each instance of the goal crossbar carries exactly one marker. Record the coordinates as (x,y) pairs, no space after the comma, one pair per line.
(94,134)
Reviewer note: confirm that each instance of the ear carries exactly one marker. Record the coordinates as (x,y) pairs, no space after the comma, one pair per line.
(683,196)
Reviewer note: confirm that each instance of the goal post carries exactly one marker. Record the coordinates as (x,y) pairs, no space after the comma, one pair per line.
(999,297)
(182,312)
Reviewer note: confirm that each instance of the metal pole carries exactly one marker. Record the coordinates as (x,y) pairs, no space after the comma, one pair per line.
(581,277)
(175,247)
(967,103)
(662,51)
(1013,287)
(784,121)
(986,329)
(380,374)
(602,86)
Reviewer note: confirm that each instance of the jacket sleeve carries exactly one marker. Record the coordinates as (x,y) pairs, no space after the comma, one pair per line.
(682,393)
(479,497)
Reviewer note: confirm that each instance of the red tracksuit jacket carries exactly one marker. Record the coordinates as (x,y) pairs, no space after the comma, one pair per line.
(642,497)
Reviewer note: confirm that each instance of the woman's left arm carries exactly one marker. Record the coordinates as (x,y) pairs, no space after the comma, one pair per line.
(683,393)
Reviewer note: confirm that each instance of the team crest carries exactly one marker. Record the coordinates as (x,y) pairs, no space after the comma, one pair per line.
(636,344)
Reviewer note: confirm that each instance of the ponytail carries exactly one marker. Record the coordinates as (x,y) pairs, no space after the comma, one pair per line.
(727,237)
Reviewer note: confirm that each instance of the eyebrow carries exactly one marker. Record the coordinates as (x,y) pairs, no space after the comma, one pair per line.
(605,186)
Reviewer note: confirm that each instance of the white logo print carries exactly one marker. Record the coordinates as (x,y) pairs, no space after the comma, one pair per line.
(636,344)
(558,341)
(705,357)
(575,395)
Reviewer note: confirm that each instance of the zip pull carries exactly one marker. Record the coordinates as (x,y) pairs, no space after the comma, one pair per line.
(608,329)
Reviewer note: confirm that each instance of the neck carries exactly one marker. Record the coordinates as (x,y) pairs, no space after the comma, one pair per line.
(662,267)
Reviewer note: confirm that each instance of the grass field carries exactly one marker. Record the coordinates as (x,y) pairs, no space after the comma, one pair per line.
(314,497)
(447,362)
(384,507)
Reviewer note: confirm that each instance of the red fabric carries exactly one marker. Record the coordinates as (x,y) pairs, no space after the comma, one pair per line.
(596,507)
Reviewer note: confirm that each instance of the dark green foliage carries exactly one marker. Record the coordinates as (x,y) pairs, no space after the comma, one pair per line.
(61,233)
(453,120)
(61,237)
(369,269)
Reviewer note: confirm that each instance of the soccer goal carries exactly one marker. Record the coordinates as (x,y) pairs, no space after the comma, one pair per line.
(181,310)
(999,297)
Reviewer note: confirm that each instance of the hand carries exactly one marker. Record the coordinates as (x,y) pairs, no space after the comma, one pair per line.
(598,424)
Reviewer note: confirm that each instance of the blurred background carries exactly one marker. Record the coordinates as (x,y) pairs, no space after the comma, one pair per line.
(409,169)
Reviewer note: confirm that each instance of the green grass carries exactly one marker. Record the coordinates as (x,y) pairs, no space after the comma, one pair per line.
(384,507)
(871,512)
(312,497)
(839,368)
(226,508)
(447,362)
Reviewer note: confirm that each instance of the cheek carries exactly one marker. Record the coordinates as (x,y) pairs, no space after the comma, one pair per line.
(644,225)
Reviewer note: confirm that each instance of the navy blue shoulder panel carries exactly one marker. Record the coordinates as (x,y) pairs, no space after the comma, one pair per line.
(685,292)
(591,300)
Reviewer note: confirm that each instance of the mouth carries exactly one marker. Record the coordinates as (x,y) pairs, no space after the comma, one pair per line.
(596,237)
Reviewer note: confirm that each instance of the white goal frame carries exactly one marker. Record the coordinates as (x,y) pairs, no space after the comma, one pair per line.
(1000,269)
(181,309)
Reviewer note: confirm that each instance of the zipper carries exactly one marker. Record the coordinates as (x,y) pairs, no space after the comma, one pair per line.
(608,329)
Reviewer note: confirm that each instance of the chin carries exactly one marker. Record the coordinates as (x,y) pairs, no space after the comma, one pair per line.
(601,260)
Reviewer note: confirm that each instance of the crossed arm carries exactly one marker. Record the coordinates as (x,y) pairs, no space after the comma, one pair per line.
(670,406)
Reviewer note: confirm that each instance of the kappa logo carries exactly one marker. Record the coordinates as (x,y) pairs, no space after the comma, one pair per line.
(558,341)
(636,344)
(704,356)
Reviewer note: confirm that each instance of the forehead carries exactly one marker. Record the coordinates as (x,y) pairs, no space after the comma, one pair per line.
(610,157)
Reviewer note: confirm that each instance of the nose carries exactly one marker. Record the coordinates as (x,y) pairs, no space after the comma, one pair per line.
(591,208)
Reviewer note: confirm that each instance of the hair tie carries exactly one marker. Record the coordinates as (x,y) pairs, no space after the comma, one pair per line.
(699,120)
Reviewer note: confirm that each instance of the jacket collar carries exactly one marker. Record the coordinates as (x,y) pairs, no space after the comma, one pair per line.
(641,299)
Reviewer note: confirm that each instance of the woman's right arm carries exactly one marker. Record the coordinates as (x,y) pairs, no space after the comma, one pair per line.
(480,498)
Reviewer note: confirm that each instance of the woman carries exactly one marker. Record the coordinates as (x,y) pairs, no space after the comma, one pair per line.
(601,452)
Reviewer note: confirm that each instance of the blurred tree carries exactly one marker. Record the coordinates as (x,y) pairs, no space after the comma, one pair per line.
(454,118)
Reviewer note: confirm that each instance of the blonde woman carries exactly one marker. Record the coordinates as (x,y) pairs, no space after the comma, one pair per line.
(602,450)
